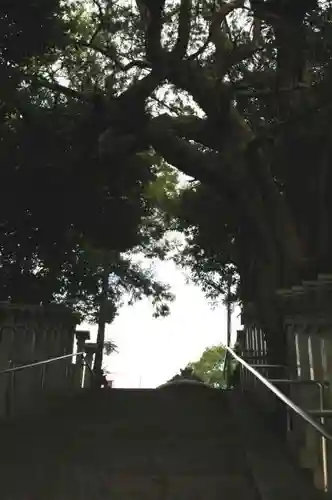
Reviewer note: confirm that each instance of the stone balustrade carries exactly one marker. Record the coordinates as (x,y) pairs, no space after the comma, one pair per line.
(30,334)
(309,303)
(306,310)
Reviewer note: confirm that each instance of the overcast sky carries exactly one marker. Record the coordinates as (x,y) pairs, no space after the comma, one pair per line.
(152,350)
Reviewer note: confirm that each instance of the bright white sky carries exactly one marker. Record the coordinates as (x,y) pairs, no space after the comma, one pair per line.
(153,350)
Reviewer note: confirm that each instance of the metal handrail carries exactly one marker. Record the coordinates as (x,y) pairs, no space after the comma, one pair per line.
(47,361)
(291,405)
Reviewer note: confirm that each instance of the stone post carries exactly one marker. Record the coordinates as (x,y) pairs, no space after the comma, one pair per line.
(81,337)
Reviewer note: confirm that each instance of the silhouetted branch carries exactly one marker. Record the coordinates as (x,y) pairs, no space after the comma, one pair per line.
(184,29)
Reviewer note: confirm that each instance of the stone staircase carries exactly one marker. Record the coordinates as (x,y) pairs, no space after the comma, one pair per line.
(174,443)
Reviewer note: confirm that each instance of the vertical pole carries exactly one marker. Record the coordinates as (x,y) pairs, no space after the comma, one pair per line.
(229,311)
(89,379)
(101,327)
(228,372)
(81,336)
(229,324)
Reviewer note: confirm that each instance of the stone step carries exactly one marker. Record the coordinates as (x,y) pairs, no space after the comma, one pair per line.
(143,397)
(82,483)
(152,427)
(133,445)
(122,453)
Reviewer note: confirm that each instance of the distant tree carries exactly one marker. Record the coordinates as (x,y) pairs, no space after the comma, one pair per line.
(209,367)
(110,347)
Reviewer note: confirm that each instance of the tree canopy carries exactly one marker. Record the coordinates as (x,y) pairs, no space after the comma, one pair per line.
(234,94)
(67,213)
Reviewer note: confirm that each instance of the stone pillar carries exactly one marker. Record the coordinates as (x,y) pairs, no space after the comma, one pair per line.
(90,350)
(81,337)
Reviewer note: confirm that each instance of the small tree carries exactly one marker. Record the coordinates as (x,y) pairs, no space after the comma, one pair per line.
(210,366)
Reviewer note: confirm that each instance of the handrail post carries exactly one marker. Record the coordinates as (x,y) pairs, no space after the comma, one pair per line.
(81,337)
(90,350)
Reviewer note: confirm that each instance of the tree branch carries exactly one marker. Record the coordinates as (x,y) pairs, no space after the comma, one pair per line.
(101,19)
(242,52)
(246,175)
(181,154)
(139,91)
(193,128)
(136,63)
(220,176)
(191,77)
(217,18)
(257,31)
(151,12)
(56,87)
(243,90)
(181,45)
(201,50)
(100,10)
(111,53)
(220,39)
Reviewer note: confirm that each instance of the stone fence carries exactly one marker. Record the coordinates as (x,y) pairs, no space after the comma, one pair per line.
(30,334)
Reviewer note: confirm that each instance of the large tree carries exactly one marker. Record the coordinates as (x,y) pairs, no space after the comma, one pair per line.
(234,94)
